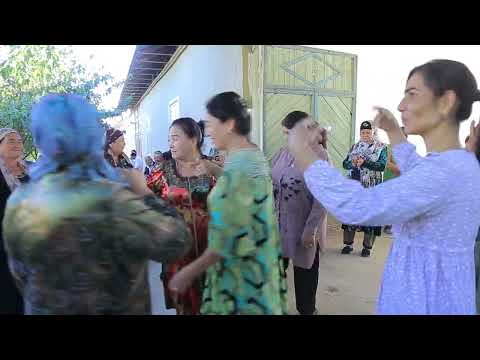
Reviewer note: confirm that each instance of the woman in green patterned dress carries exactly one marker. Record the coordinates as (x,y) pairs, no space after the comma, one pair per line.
(243,258)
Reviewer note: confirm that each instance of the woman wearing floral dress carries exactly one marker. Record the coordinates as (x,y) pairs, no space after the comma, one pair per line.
(185,182)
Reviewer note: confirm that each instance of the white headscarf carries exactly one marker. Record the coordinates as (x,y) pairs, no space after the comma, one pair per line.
(12,181)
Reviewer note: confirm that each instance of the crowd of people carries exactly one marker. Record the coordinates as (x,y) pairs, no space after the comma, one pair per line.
(81,223)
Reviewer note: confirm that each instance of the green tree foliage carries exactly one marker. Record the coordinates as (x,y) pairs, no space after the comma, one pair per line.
(32,71)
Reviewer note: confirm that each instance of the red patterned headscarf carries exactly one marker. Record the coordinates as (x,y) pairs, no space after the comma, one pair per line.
(112,136)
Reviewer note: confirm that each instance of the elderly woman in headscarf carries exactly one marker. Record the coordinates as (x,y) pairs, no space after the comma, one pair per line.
(114,146)
(13,174)
(149,165)
(365,162)
(79,235)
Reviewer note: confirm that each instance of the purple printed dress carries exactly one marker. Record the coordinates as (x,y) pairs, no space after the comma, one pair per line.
(432,206)
(298,212)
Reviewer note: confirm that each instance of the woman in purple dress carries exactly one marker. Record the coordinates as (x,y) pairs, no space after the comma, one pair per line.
(302,219)
(472,144)
(430,269)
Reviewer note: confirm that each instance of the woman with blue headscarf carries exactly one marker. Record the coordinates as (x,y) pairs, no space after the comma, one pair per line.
(79,235)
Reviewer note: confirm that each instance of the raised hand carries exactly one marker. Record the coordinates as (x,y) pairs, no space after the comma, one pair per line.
(473,138)
(308,241)
(307,144)
(298,139)
(137,181)
(386,121)
(181,281)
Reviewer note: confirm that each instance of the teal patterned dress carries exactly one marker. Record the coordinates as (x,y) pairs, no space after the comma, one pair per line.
(249,279)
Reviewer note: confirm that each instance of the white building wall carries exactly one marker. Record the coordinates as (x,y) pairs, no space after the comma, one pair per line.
(200,72)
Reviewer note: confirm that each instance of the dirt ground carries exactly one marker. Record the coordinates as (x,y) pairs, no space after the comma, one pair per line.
(348,284)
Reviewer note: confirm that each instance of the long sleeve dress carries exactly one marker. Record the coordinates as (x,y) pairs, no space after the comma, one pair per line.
(188,195)
(430,267)
(249,279)
(299,214)
(477,270)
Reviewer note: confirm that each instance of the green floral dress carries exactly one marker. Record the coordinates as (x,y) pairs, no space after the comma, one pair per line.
(243,230)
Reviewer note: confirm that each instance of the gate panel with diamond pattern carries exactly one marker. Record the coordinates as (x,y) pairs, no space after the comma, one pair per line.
(320,82)
(276,107)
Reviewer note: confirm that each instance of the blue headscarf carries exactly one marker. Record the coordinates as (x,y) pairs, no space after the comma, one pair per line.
(67,131)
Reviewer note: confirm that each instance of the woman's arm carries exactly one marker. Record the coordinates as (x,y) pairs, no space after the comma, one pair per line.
(183,280)
(392,202)
(149,227)
(315,219)
(228,228)
(212,169)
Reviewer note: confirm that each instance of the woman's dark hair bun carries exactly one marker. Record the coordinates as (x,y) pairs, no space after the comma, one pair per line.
(477,95)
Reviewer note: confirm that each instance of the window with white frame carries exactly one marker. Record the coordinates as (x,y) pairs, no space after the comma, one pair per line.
(174,109)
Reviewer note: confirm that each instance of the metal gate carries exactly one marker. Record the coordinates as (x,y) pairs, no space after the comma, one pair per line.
(276,107)
(320,82)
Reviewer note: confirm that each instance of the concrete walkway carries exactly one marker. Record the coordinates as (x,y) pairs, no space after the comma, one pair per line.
(156,290)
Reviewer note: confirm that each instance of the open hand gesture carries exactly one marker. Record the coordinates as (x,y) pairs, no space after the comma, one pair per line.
(473,138)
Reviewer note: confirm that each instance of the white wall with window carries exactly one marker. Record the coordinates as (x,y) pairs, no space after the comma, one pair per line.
(174,109)
(200,72)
